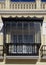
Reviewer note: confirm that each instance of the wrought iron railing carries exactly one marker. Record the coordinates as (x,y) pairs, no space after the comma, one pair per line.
(22,49)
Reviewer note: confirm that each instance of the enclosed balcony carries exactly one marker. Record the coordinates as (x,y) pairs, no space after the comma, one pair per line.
(22,37)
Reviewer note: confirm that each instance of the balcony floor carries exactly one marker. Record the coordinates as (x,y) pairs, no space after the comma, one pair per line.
(22,57)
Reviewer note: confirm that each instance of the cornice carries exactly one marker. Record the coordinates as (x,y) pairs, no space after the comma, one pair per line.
(11,12)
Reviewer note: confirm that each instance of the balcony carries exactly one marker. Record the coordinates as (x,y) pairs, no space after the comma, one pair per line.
(22,50)
(21,5)
(22,37)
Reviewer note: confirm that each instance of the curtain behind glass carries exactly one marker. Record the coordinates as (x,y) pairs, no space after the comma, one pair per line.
(37,32)
(23,32)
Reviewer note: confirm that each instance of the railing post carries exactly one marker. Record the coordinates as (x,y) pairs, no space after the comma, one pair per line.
(40,54)
(7,4)
(38,4)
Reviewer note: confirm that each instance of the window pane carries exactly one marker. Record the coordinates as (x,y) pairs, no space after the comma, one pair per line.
(14,25)
(37,32)
(25,35)
(25,25)
(26,39)
(19,25)
(14,38)
(20,39)
(31,24)
(31,39)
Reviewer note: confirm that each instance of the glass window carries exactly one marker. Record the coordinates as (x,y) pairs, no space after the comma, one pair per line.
(25,35)
(37,26)
(14,39)
(31,24)
(37,32)
(19,25)
(20,39)
(14,25)
(25,25)
(31,38)
(26,39)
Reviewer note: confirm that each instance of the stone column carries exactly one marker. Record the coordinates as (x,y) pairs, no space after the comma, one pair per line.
(38,4)
(44,31)
(1,32)
(1,38)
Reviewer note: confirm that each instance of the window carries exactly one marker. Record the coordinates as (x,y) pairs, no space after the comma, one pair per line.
(13,25)
(24,32)
(31,25)
(28,39)
(20,39)
(31,38)
(37,32)
(25,26)
(14,39)
(19,25)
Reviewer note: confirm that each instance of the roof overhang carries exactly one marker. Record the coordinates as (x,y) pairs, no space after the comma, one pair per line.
(22,19)
(23,12)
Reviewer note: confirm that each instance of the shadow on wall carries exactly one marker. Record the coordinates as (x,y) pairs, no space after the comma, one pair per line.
(21,61)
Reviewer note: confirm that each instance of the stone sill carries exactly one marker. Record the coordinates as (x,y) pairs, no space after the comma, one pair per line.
(22,57)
